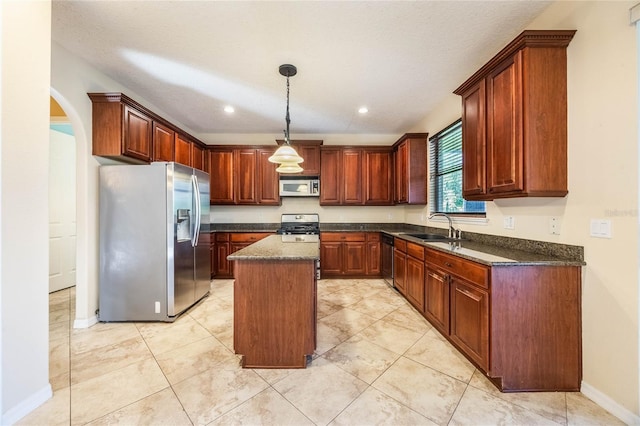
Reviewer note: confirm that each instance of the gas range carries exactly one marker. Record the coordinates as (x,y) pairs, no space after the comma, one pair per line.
(300,227)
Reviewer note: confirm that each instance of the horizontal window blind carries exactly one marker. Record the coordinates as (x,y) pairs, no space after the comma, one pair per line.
(445,172)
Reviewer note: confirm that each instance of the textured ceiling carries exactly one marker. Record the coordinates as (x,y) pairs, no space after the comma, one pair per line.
(399,58)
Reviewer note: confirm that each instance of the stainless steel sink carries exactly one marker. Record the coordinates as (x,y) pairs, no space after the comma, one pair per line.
(432,237)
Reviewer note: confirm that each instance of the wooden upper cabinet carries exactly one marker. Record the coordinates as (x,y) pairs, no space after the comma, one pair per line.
(356,176)
(122,129)
(411,169)
(198,157)
(268,191)
(246,166)
(309,150)
(221,176)
(183,150)
(125,130)
(330,176)
(474,178)
(137,134)
(378,174)
(514,120)
(243,175)
(163,146)
(351,170)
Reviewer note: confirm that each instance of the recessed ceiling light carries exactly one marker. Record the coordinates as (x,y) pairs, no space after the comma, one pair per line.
(229,109)
(363,110)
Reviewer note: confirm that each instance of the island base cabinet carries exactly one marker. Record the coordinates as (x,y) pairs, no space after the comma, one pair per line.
(274,312)
(536,328)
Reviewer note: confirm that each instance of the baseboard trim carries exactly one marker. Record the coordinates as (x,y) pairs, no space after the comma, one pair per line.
(609,404)
(27,406)
(85,323)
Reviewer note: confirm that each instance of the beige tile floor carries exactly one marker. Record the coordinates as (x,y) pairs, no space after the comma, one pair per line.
(377,362)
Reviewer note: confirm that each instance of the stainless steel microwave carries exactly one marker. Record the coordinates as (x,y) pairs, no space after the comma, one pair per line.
(299,187)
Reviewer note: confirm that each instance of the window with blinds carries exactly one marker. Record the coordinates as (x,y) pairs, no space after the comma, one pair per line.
(445,172)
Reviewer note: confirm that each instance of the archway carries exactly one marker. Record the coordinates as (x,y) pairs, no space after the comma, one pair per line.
(62,200)
(82,319)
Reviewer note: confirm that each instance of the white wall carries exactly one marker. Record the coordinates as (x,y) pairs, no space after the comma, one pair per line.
(603,183)
(24,158)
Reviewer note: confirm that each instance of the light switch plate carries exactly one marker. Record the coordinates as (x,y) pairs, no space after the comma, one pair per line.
(600,228)
(554,225)
(509,222)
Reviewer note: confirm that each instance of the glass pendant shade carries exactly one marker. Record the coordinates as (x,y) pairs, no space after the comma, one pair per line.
(289,167)
(285,154)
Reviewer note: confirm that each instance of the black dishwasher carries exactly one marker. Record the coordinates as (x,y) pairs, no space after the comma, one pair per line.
(387,258)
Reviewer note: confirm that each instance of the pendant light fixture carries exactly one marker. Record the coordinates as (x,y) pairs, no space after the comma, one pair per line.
(286,155)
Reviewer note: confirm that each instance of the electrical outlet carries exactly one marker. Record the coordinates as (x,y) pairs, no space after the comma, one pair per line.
(554,225)
(509,222)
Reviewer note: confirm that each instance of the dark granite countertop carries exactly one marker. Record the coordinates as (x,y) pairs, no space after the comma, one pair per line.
(273,248)
(487,249)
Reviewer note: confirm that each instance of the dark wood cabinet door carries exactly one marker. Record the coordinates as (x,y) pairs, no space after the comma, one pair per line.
(436,303)
(197,157)
(331,258)
(401,156)
(221,176)
(414,282)
(268,179)
(212,254)
(504,128)
(246,165)
(223,266)
(351,171)
(474,166)
(138,130)
(330,177)
(378,184)
(163,142)
(183,150)
(399,268)
(311,156)
(470,320)
(355,258)
(374,258)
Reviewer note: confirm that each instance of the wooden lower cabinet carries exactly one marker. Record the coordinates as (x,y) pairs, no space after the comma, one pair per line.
(519,324)
(436,294)
(374,254)
(346,254)
(227,243)
(470,320)
(399,265)
(414,276)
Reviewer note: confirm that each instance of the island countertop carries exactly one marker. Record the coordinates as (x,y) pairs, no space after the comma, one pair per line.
(273,248)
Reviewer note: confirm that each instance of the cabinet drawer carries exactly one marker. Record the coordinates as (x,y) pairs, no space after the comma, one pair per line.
(342,236)
(247,237)
(470,271)
(400,244)
(415,250)
(222,237)
(372,237)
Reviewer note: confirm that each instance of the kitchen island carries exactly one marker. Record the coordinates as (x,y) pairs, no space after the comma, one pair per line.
(274,307)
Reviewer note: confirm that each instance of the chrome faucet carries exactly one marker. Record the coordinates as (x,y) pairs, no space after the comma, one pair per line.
(452,230)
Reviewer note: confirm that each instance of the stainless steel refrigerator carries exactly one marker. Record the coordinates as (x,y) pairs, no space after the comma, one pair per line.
(153,263)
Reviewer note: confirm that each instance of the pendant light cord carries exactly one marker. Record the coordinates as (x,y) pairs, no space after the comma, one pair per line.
(287,118)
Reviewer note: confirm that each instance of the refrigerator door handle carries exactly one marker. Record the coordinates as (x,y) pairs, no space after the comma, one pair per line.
(196,198)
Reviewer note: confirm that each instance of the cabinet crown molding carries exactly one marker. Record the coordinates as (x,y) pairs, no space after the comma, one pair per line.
(528,38)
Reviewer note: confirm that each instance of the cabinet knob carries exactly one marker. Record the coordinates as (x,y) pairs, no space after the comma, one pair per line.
(448,265)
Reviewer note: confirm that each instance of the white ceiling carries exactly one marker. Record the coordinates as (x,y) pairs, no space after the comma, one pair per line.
(399,58)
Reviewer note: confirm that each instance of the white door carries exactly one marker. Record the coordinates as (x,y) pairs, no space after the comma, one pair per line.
(62,208)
